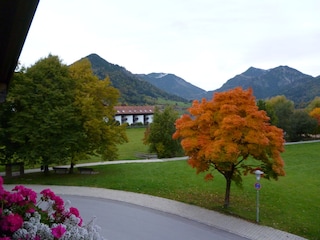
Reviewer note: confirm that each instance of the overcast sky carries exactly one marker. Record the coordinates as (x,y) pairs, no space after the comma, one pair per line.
(205,42)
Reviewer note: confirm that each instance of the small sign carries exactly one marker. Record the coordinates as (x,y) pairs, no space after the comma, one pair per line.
(257,186)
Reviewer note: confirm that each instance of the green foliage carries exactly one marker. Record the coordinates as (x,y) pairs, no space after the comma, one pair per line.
(41,123)
(262,105)
(296,123)
(56,114)
(301,125)
(315,103)
(95,100)
(159,134)
(283,110)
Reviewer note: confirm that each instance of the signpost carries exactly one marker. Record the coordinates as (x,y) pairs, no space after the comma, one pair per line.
(257,186)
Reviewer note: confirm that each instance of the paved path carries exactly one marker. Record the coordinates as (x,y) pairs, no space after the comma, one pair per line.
(122,221)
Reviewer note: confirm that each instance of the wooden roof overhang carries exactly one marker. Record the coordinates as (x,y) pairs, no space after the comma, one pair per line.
(15,20)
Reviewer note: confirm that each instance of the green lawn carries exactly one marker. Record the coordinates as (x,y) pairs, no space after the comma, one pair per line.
(129,150)
(291,204)
(126,151)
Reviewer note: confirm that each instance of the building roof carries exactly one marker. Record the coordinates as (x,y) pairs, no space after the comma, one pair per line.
(121,110)
(15,20)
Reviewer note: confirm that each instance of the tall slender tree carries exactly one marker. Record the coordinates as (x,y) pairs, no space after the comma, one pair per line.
(223,133)
(95,100)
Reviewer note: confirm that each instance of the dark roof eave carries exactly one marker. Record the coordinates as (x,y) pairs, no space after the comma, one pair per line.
(15,18)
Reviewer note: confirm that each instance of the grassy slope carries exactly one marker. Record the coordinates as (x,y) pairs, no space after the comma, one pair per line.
(290,204)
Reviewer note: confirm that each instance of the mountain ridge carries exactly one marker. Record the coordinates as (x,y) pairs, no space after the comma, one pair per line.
(133,90)
(177,85)
(146,88)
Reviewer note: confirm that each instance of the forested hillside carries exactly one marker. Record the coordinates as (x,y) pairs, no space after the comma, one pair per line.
(133,90)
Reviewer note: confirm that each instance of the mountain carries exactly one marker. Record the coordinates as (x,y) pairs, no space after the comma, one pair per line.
(133,90)
(143,89)
(174,85)
(283,80)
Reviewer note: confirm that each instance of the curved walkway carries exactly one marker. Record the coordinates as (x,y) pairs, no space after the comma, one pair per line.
(211,218)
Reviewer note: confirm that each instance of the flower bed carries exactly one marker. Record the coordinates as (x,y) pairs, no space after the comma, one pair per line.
(24,217)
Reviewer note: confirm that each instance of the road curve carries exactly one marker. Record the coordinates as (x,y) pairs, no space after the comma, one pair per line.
(123,221)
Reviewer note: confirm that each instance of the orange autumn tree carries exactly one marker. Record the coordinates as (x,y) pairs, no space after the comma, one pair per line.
(221,134)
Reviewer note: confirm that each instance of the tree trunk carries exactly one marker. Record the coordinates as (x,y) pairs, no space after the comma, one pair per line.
(71,168)
(228,176)
(227,194)
(46,169)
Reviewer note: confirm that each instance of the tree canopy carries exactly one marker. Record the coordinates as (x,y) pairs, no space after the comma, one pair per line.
(55,113)
(95,100)
(223,133)
(283,109)
(159,134)
(41,122)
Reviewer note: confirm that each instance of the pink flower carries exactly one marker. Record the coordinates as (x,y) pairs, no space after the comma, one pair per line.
(11,223)
(75,212)
(14,198)
(59,203)
(47,194)
(27,193)
(58,231)
(30,210)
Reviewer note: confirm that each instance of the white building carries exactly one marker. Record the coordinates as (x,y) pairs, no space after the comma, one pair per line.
(134,114)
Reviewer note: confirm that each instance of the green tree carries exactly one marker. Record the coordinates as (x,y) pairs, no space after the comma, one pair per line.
(283,109)
(223,133)
(159,134)
(262,105)
(42,123)
(95,100)
(56,114)
(302,125)
(315,103)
